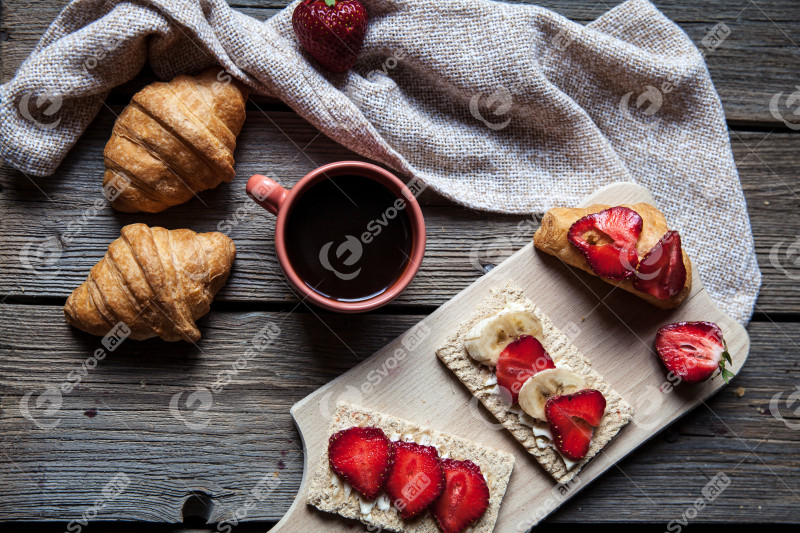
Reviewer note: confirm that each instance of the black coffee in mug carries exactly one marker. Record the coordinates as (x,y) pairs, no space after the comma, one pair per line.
(349,238)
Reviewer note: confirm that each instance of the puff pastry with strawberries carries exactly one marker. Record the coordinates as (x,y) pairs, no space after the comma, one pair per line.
(630,246)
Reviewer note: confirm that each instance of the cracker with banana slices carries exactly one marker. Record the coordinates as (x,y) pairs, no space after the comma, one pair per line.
(531,433)
(327,492)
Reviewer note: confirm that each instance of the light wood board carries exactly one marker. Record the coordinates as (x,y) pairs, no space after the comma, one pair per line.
(614,329)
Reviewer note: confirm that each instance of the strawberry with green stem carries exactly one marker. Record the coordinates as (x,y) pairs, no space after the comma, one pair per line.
(694,351)
(332,31)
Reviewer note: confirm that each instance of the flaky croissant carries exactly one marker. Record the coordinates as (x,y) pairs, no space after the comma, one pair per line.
(173,140)
(156,281)
(551,237)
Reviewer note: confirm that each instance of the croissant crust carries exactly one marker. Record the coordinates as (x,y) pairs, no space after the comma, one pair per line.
(156,281)
(174,140)
(551,237)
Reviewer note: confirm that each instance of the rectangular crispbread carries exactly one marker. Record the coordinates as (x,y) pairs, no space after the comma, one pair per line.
(327,492)
(479,379)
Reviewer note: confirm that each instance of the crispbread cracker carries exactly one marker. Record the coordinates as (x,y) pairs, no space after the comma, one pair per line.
(478,379)
(325,490)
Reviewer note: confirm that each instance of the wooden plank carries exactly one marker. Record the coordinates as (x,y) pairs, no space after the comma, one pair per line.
(59,211)
(769,168)
(754,62)
(57,474)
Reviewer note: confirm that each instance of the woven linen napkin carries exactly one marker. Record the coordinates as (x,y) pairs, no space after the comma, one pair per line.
(502,107)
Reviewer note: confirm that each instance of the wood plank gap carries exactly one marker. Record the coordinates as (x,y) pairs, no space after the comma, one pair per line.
(290,306)
(775,317)
(259,526)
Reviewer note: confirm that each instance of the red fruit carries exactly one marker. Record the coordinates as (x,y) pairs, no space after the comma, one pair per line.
(331,30)
(572,419)
(661,272)
(465,497)
(693,350)
(415,479)
(520,360)
(607,240)
(363,457)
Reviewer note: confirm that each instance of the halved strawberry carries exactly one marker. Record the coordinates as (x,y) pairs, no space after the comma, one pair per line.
(415,479)
(572,419)
(693,350)
(520,360)
(465,497)
(362,456)
(661,271)
(607,239)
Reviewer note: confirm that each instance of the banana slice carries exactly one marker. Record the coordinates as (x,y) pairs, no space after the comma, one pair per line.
(489,337)
(553,381)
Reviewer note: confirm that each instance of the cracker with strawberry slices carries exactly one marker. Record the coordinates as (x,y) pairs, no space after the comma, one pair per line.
(481,382)
(328,492)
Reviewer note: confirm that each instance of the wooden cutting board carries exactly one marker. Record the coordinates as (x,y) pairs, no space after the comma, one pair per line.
(613,328)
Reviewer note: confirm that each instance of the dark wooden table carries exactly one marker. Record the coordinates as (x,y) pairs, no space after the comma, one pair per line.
(116,424)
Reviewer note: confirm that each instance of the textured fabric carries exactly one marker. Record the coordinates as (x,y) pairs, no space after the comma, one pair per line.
(504,107)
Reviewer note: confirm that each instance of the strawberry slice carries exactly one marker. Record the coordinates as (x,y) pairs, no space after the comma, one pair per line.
(520,360)
(415,479)
(465,497)
(607,239)
(572,419)
(661,272)
(693,351)
(363,457)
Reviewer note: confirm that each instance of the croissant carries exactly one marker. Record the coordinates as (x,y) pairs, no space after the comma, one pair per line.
(174,140)
(551,237)
(155,281)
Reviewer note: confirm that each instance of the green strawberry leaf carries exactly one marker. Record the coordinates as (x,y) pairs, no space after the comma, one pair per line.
(726,356)
(330,3)
(727,375)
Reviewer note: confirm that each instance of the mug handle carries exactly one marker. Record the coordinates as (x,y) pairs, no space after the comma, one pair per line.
(266,192)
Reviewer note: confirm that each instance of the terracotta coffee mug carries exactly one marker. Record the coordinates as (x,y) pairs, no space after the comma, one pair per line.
(279,201)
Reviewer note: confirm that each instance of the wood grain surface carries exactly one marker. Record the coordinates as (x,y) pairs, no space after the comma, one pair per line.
(118,419)
(57,474)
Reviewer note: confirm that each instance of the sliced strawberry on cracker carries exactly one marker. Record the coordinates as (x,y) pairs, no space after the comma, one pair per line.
(362,456)
(465,497)
(693,351)
(661,272)
(607,239)
(572,419)
(415,479)
(520,360)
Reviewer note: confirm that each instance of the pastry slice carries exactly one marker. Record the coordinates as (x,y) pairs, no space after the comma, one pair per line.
(416,479)
(629,246)
(535,382)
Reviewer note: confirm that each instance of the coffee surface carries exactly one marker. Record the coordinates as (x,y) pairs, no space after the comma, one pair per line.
(349,238)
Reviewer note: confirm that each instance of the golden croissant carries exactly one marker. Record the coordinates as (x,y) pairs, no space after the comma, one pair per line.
(173,140)
(552,237)
(155,281)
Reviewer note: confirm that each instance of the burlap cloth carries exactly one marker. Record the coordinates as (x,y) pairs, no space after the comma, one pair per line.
(504,107)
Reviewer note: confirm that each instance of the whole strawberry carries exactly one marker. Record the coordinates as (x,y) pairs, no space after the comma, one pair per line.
(331,30)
